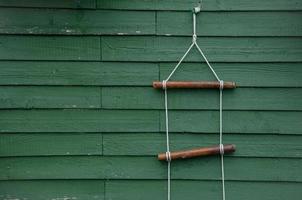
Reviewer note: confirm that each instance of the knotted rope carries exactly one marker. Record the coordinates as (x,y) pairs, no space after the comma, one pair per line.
(164,82)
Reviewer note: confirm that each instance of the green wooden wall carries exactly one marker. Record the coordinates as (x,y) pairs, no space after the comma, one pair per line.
(79,119)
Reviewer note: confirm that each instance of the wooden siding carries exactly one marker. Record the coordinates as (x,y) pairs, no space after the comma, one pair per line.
(79,119)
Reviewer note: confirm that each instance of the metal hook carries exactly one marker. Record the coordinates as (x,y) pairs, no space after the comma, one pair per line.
(198,8)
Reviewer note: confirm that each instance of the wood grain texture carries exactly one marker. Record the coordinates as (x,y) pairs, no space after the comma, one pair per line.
(50,144)
(232,23)
(49,48)
(77,73)
(245,74)
(78,120)
(87,4)
(203,99)
(248,145)
(28,97)
(187,5)
(190,190)
(53,189)
(219,49)
(75,22)
(95,167)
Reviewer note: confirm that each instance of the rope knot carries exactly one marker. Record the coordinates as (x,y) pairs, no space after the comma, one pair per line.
(221,84)
(194,38)
(221,149)
(168,156)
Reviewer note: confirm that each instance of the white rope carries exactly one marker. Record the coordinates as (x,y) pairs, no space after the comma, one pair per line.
(168,154)
(220,139)
(221,84)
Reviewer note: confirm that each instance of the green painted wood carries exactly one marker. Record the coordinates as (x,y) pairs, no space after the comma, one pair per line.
(78,120)
(237,99)
(220,49)
(49,48)
(49,97)
(75,22)
(252,145)
(96,167)
(50,144)
(244,74)
(52,189)
(232,23)
(144,144)
(206,5)
(143,74)
(191,190)
(146,189)
(77,73)
(275,122)
(78,4)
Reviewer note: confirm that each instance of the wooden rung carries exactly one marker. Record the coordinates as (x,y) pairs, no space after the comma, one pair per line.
(205,151)
(196,84)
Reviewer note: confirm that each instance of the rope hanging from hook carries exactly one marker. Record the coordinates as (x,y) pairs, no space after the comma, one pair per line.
(221,85)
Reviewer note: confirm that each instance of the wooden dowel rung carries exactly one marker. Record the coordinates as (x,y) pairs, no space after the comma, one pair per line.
(194,84)
(205,151)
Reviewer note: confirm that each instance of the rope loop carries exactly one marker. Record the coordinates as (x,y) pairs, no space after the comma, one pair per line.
(221,149)
(168,156)
(221,84)
(164,84)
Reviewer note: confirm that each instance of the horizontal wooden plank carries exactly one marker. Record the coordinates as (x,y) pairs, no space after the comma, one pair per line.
(244,74)
(96,167)
(49,97)
(50,144)
(237,99)
(191,190)
(232,23)
(53,189)
(74,22)
(206,5)
(246,145)
(274,122)
(143,74)
(49,4)
(49,48)
(220,49)
(78,121)
(77,73)
(146,189)
(146,144)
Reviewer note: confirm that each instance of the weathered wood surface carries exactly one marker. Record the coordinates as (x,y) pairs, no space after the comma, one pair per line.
(79,118)
(96,167)
(29,97)
(217,49)
(187,5)
(88,4)
(145,144)
(147,189)
(180,99)
(143,73)
(49,48)
(231,23)
(248,145)
(75,22)
(79,73)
